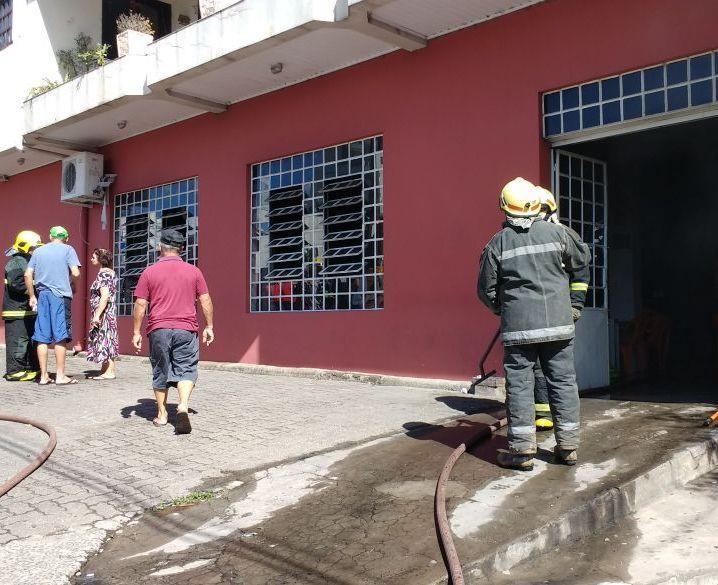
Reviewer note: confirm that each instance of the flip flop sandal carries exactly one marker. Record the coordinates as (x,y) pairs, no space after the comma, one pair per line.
(183,426)
(158,422)
(46,383)
(70,383)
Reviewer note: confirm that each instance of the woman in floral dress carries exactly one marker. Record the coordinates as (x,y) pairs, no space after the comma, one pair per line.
(102,341)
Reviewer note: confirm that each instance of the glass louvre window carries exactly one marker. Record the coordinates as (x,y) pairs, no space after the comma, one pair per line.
(5,23)
(580,184)
(317,228)
(678,85)
(140,216)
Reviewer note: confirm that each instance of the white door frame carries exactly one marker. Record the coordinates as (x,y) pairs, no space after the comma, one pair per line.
(580,185)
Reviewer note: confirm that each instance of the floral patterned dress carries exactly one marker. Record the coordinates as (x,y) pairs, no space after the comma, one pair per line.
(103,342)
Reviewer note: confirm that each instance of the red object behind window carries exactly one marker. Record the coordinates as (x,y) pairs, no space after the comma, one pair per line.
(283,290)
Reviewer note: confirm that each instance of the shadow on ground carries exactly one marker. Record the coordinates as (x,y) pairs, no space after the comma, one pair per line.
(147,408)
(458,431)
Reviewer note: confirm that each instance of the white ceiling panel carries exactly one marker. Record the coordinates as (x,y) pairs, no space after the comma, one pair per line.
(307,56)
(141,115)
(14,161)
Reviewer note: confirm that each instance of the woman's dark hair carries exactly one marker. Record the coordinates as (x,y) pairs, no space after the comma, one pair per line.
(104,257)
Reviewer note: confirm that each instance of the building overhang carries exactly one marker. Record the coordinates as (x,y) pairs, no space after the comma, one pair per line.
(248,49)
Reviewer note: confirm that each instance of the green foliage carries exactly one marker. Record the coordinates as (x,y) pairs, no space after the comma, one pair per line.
(136,22)
(82,58)
(40,89)
(189,500)
(96,57)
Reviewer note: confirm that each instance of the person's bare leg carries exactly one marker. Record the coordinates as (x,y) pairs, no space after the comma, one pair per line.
(42,358)
(60,358)
(108,371)
(184,425)
(161,398)
(185,391)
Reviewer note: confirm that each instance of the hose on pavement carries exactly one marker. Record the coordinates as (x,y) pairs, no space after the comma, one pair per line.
(453,563)
(41,457)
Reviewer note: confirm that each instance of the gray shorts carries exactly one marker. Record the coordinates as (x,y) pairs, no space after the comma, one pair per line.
(174,354)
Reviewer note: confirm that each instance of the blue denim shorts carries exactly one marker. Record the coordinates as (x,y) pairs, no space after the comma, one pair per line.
(174,355)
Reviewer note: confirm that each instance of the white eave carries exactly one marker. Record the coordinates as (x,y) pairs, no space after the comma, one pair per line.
(226,58)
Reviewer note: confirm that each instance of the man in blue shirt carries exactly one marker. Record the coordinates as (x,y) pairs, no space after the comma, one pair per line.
(49,274)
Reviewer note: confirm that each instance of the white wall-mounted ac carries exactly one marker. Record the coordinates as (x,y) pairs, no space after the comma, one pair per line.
(81,174)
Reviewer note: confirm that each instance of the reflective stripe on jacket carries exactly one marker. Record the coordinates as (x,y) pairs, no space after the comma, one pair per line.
(524,277)
(578,278)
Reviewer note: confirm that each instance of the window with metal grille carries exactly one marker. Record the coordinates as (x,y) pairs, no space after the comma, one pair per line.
(140,216)
(5,23)
(317,230)
(580,186)
(653,91)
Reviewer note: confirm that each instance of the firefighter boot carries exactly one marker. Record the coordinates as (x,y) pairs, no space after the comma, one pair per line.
(511,460)
(544,421)
(565,456)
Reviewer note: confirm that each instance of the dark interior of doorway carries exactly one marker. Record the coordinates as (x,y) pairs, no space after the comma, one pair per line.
(663,256)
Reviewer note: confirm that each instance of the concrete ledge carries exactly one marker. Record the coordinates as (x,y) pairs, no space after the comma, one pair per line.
(601,511)
(493,389)
(121,79)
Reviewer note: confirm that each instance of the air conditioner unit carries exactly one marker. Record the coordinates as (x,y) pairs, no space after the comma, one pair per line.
(81,174)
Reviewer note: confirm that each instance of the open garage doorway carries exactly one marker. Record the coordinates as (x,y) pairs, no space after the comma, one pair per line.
(657,284)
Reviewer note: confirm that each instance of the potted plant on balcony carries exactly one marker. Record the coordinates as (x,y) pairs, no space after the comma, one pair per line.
(134,33)
(207,7)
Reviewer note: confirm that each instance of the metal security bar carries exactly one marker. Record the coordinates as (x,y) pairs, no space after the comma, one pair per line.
(317,228)
(580,184)
(140,216)
(684,84)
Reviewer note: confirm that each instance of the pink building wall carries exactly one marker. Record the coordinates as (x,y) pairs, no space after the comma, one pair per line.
(459,119)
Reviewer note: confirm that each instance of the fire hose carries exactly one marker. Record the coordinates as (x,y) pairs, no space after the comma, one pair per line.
(451,556)
(39,459)
(453,564)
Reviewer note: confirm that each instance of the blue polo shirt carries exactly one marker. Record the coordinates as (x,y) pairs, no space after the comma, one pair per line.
(51,265)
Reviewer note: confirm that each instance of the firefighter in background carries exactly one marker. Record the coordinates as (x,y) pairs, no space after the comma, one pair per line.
(21,357)
(578,286)
(524,278)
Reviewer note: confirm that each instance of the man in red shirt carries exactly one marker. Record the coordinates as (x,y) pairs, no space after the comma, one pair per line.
(172,287)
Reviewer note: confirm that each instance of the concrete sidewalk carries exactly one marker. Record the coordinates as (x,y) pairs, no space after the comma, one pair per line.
(364,514)
(111,463)
(671,541)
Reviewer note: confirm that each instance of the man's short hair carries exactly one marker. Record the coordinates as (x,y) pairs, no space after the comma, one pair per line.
(167,248)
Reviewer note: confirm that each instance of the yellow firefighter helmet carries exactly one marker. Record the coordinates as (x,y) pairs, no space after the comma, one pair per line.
(519,198)
(547,199)
(26,241)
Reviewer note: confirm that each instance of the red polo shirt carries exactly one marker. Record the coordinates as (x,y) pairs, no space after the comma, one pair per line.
(171,286)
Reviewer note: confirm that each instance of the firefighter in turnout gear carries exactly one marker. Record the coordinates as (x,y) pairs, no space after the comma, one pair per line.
(578,286)
(21,357)
(524,278)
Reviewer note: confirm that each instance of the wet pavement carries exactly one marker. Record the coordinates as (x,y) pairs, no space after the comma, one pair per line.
(670,541)
(111,463)
(364,514)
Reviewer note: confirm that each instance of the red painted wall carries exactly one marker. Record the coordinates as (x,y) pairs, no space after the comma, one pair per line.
(459,119)
(32,201)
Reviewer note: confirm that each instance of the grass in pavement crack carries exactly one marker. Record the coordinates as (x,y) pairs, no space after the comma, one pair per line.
(190,499)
